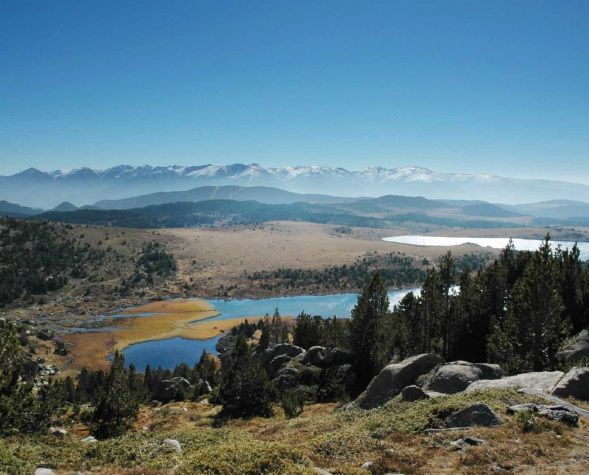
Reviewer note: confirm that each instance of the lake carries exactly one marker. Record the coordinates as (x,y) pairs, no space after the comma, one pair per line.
(495,243)
(171,352)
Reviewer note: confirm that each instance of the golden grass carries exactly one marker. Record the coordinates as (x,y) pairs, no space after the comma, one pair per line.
(172,306)
(192,319)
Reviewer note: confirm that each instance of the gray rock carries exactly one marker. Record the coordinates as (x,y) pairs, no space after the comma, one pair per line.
(176,383)
(464,442)
(44,471)
(451,378)
(477,414)
(89,440)
(336,357)
(288,377)
(313,356)
(367,465)
(281,349)
(574,384)
(413,393)
(577,349)
(320,471)
(555,412)
(172,444)
(277,363)
(543,381)
(58,431)
(394,377)
(489,370)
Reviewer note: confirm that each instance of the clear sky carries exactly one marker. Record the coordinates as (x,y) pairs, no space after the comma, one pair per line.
(458,85)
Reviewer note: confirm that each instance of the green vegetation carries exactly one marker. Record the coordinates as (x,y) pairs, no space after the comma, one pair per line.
(36,258)
(116,407)
(233,213)
(516,312)
(396,270)
(245,388)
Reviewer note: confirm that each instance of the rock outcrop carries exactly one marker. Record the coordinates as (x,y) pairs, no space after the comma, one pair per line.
(543,381)
(577,349)
(394,377)
(575,384)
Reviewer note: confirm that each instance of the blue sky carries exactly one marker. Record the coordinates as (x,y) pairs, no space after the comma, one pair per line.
(473,86)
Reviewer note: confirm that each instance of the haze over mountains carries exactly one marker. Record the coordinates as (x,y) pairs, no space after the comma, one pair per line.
(84,186)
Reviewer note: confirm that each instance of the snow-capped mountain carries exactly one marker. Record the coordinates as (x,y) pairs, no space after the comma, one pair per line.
(84,186)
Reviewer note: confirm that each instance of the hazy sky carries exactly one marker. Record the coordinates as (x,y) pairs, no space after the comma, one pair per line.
(472,85)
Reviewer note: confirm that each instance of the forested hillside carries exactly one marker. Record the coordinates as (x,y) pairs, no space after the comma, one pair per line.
(231,213)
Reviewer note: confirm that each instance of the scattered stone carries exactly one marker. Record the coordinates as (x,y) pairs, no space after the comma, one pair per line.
(367,465)
(477,414)
(577,349)
(394,377)
(543,381)
(313,356)
(462,443)
(556,400)
(574,384)
(44,471)
(89,439)
(172,444)
(555,413)
(57,431)
(413,393)
(320,471)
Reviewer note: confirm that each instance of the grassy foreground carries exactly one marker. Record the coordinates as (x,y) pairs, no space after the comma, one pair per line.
(339,441)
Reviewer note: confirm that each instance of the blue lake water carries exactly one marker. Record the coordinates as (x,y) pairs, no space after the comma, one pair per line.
(171,352)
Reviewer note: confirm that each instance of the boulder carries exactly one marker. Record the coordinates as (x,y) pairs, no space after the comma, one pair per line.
(413,393)
(543,381)
(576,349)
(557,413)
(281,349)
(277,363)
(176,383)
(574,384)
(489,370)
(89,439)
(313,356)
(44,471)
(394,377)
(451,378)
(336,357)
(477,414)
(288,377)
(172,444)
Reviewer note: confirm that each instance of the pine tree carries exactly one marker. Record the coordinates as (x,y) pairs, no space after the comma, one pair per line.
(370,351)
(245,389)
(115,408)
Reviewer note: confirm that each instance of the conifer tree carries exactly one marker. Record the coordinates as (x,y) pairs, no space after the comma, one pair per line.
(115,407)
(368,319)
(245,389)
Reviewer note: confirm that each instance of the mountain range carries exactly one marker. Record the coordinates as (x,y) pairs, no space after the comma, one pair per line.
(84,186)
